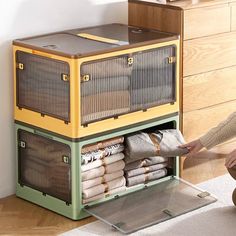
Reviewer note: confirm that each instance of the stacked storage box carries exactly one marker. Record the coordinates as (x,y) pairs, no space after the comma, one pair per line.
(78,95)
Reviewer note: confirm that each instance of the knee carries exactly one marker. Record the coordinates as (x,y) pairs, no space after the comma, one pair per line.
(232,172)
(234,197)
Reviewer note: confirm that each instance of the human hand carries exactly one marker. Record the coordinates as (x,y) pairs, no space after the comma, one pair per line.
(193,147)
(230,161)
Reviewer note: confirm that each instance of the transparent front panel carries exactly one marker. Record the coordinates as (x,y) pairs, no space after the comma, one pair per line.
(44,165)
(42,85)
(127,83)
(151,205)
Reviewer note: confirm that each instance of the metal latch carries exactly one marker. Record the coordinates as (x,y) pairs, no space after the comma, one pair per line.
(66,159)
(171,60)
(85,78)
(20,66)
(65,77)
(22,144)
(203,194)
(130,61)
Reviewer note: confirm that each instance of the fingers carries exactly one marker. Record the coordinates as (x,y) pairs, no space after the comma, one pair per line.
(231,160)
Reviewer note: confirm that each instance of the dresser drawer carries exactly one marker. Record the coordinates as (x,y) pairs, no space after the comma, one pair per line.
(206,21)
(233,16)
(198,122)
(209,53)
(209,89)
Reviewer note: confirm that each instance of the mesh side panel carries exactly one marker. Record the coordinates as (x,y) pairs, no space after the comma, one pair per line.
(41,165)
(117,88)
(40,86)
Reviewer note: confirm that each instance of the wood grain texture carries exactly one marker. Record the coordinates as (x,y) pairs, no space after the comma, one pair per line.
(209,89)
(202,21)
(185,4)
(198,122)
(19,217)
(233,16)
(209,53)
(152,17)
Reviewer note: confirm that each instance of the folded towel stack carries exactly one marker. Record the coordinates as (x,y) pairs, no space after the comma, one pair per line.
(144,170)
(107,93)
(102,169)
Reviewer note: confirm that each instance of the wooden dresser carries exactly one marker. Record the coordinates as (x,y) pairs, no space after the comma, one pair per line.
(208,32)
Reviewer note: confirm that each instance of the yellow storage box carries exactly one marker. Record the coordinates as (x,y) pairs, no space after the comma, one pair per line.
(85,81)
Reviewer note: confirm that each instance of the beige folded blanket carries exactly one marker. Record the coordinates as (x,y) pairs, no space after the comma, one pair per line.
(103,195)
(99,180)
(144,162)
(116,166)
(94,173)
(139,179)
(116,183)
(106,161)
(144,170)
(94,198)
(102,144)
(116,190)
(113,175)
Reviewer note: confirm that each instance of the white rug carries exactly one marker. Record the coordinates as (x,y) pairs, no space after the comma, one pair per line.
(217,219)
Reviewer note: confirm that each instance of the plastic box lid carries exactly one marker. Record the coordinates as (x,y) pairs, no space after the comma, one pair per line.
(77,43)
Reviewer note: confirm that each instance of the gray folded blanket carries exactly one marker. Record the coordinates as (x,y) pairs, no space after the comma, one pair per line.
(107,68)
(108,84)
(162,143)
(144,170)
(130,164)
(139,179)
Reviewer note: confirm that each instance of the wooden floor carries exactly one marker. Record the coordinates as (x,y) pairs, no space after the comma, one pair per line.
(19,217)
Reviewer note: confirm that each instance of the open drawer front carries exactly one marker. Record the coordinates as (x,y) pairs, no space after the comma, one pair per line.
(150,205)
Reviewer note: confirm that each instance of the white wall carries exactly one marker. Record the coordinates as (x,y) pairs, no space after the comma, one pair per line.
(21,18)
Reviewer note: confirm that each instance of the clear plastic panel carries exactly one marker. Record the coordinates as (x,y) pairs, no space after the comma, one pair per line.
(44,165)
(127,83)
(150,205)
(40,85)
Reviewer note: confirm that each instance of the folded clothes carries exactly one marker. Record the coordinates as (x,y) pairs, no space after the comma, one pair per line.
(100,69)
(101,153)
(156,59)
(94,173)
(144,170)
(90,192)
(94,198)
(99,180)
(91,183)
(168,142)
(106,161)
(130,164)
(95,107)
(149,97)
(101,188)
(102,144)
(113,175)
(116,190)
(116,166)
(162,143)
(139,179)
(106,84)
(115,183)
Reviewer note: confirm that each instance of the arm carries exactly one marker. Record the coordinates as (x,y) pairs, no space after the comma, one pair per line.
(221,133)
